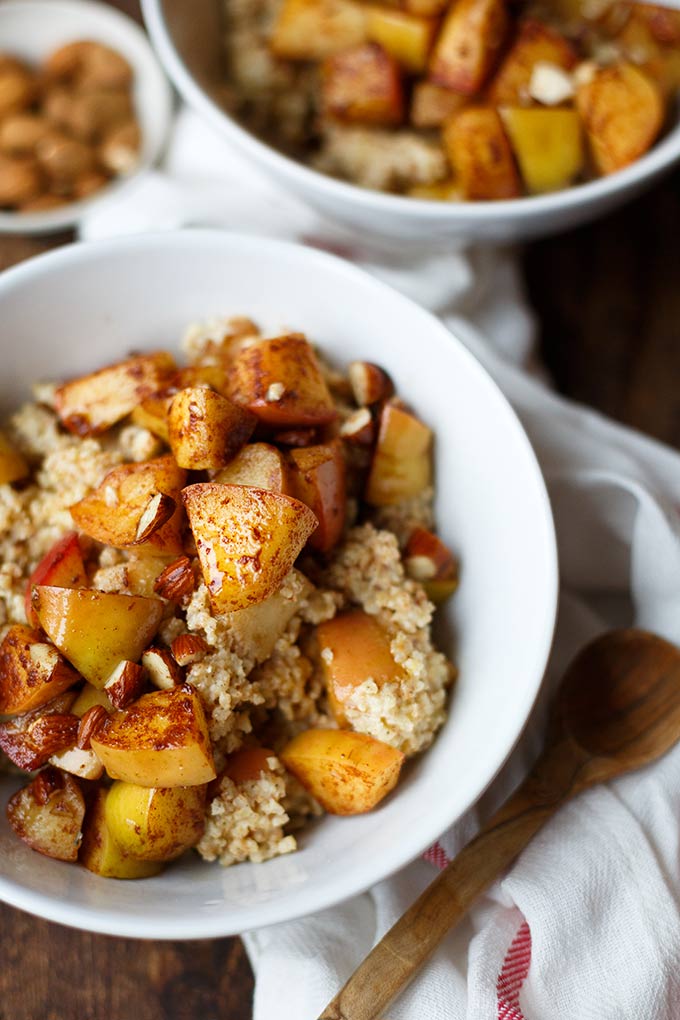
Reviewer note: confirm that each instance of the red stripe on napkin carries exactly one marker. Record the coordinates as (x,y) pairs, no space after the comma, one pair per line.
(436,855)
(513,974)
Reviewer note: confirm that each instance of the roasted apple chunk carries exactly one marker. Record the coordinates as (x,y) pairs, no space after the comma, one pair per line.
(406,37)
(318,479)
(353,647)
(248,764)
(95,630)
(32,671)
(315,29)
(429,561)
(93,403)
(548,145)
(257,628)
(536,42)
(205,429)
(247,540)
(13,465)
(48,814)
(101,854)
(155,823)
(62,566)
(468,44)
(402,460)
(432,105)
(363,86)
(280,380)
(128,508)
(348,773)
(480,154)
(160,740)
(257,464)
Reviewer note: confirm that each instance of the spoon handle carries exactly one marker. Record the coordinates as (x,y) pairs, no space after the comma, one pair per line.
(396,959)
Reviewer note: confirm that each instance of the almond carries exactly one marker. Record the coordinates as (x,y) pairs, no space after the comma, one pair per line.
(369,383)
(176,581)
(162,669)
(90,724)
(16,741)
(188,648)
(125,683)
(157,512)
(359,428)
(46,783)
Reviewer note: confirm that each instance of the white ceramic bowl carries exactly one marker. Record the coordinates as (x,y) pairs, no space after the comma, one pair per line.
(187,38)
(31,29)
(83,306)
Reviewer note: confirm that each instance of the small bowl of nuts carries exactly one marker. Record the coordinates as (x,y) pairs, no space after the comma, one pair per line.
(84,107)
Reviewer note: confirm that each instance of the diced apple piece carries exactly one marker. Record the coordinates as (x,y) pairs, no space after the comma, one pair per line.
(257,464)
(548,146)
(94,630)
(62,566)
(319,480)
(160,740)
(247,540)
(256,629)
(248,764)
(88,697)
(406,37)
(281,382)
(402,460)
(663,22)
(480,154)
(315,29)
(442,191)
(205,430)
(213,376)
(114,512)
(425,8)
(622,110)
(48,814)
(93,403)
(535,43)
(432,105)
(468,44)
(428,560)
(153,823)
(348,773)
(143,570)
(152,413)
(363,86)
(353,648)
(101,853)
(32,672)
(13,465)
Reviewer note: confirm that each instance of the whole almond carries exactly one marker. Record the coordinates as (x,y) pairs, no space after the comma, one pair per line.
(46,783)
(125,683)
(51,733)
(189,648)
(90,724)
(176,581)
(369,383)
(162,669)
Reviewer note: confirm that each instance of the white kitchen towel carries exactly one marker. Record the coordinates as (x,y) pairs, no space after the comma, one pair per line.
(586,925)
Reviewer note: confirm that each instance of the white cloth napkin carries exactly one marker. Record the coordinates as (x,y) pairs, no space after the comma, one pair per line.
(586,925)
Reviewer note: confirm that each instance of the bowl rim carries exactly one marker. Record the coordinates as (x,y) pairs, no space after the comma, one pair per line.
(306,179)
(70,215)
(415,841)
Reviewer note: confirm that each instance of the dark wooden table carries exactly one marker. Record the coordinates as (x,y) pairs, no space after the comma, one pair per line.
(608,301)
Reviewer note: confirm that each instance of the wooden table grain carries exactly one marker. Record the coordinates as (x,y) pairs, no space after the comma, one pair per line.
(607,297)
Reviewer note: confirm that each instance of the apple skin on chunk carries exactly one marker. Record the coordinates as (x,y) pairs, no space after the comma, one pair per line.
(95,630)
(48,814)
(32,672)
(280,380)
(101,854)
(348,773)
(93,403)
(160,740)
(468,44)
(155,823)
(62,566)
(247,539)
(318,477)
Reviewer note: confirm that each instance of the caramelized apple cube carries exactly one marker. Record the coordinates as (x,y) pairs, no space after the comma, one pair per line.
(406,37)
(402,460)
(114,511)
(94,630)
(348,773)
(247,540)
(480,153)
(548,146)
(315,29)
(13,464)
(468,44)
(62,566)
(280,380)
(154,823)
(257,464)
(152,413)
(93,403)
(248,764)
(536,42)
(353,648)
(101,854)
(429,561)
(363,86)
(160,740)
(48,814)
(257,628)
(205,429)
(623,111)
(32,671)
(432,105)
(318,479)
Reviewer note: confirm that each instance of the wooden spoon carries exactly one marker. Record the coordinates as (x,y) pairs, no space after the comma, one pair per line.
(617,708)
